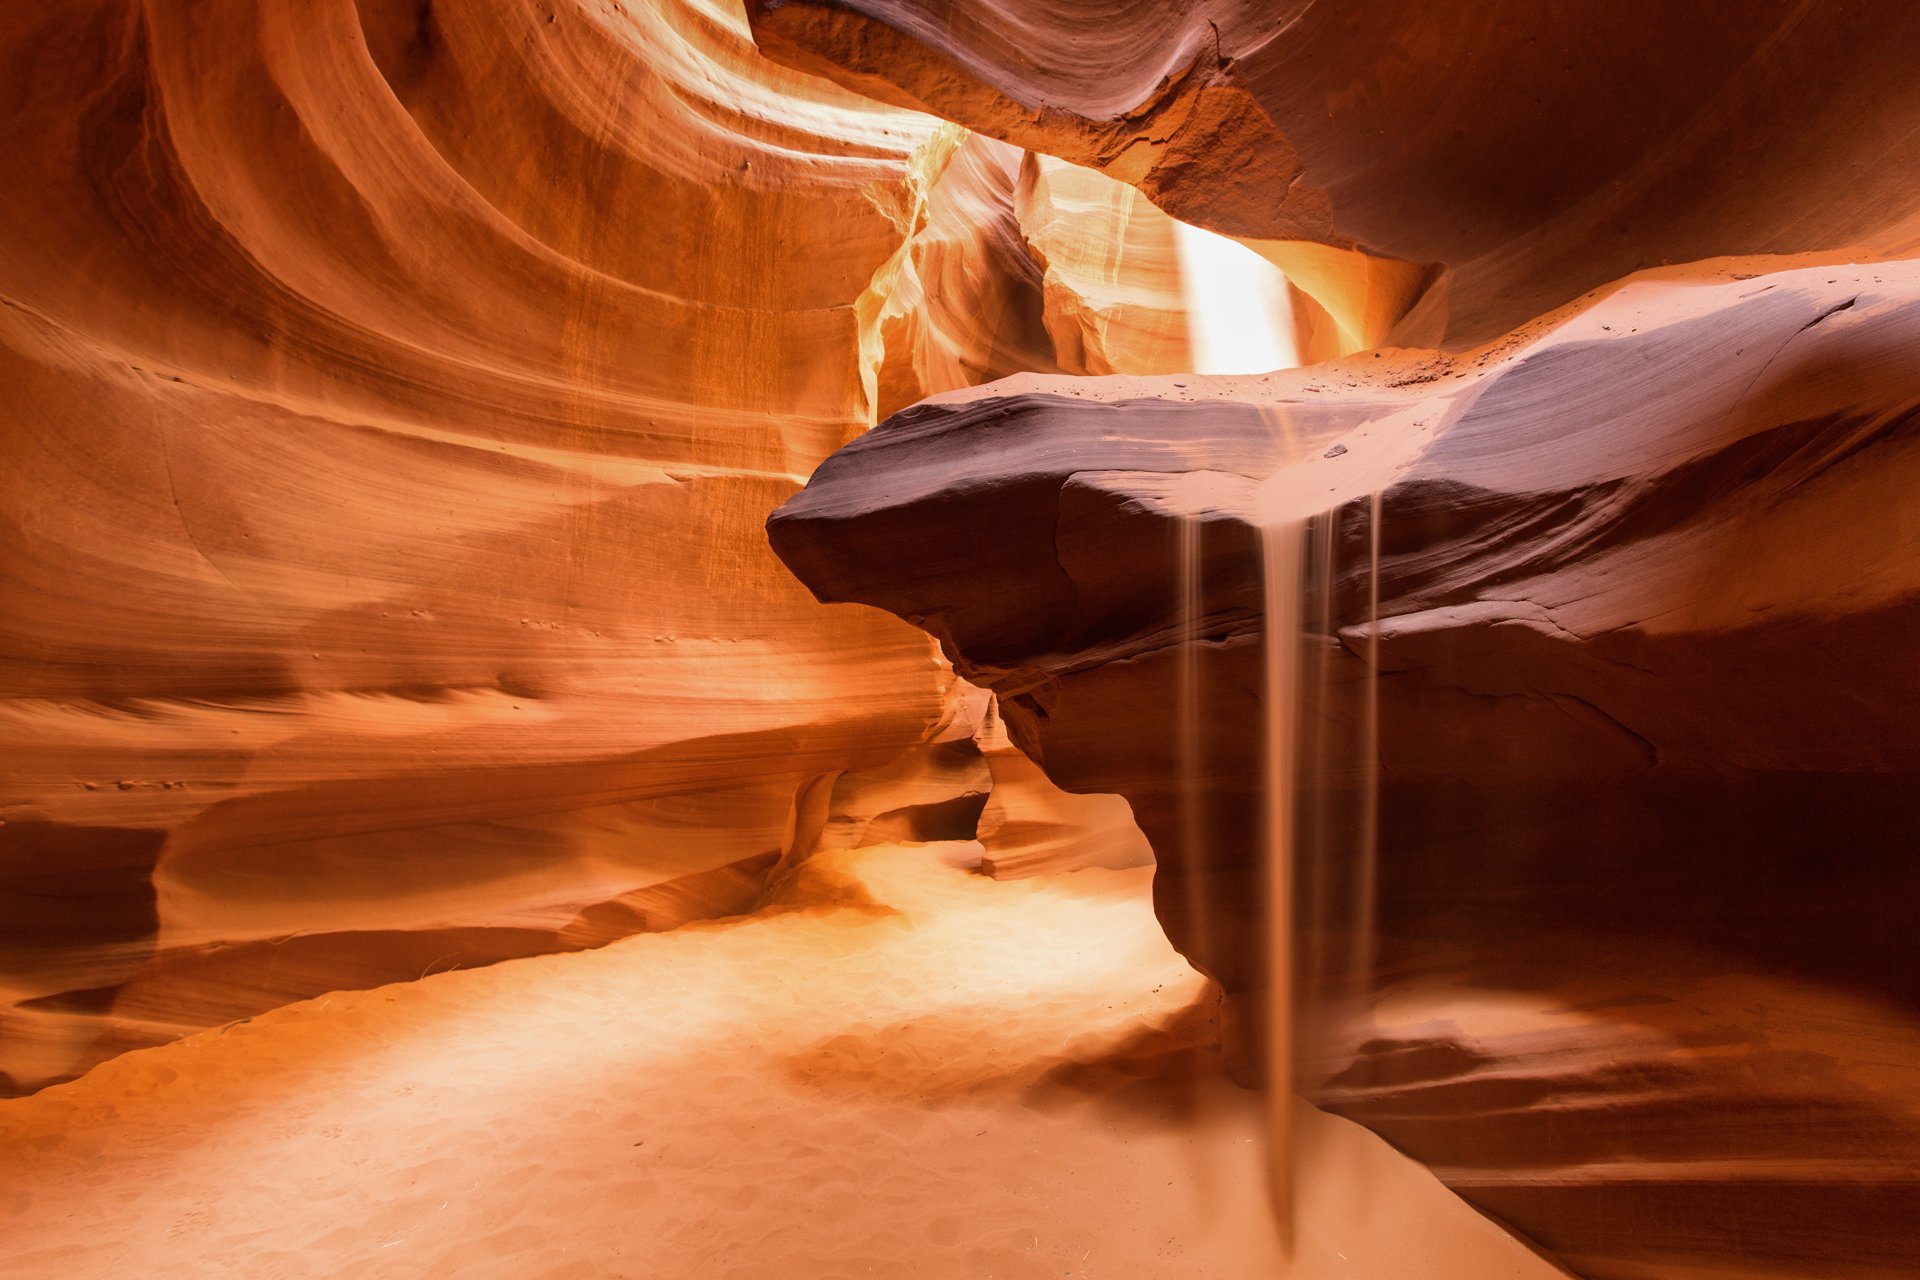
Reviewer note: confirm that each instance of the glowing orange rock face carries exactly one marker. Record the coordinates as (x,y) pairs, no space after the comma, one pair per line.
(394,397)
(396,393)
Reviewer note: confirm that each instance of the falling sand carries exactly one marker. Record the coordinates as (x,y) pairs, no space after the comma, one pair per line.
(897,1066)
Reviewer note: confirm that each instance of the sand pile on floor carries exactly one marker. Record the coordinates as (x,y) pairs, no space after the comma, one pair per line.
(898,1068)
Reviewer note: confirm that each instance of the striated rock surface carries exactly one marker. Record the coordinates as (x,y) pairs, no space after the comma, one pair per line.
(1530,152)
(397,393)
(1645,762)
(394,395)
(1022,263)
(1111,277)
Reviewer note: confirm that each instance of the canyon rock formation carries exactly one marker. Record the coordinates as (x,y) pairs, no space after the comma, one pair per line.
(1513,154)
(1644,736)
(384,590)
(402,396)
(1604,747)
(395,396)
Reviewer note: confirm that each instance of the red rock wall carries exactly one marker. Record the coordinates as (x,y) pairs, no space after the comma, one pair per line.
(1526,152)
(394,395)
(396,392)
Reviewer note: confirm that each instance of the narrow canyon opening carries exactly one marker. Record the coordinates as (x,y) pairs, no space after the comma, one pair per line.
(811,638)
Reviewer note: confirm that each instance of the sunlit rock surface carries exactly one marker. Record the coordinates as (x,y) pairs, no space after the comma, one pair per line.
(1111,283)
(1528,152)
(394,394)
(1646,765)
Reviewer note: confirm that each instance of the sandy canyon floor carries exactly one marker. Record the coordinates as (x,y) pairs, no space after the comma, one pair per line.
(898,1067)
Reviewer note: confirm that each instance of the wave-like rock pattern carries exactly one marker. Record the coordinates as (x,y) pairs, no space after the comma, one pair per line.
(1531,152)
(394,395)
(1645,759)
(396,392)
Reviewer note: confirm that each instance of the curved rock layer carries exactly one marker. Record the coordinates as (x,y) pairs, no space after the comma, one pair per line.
(394,396)
(1530,152)
(396,392)
(1636,975)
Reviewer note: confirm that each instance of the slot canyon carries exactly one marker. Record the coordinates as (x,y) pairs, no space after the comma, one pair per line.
(960,639)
